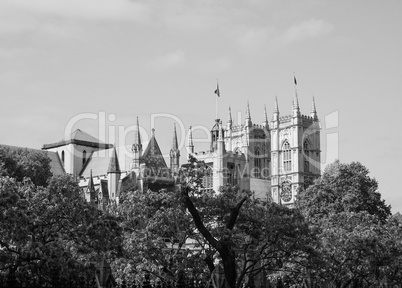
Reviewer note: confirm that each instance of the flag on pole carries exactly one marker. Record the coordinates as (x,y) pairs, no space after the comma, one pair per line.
(217,90)
(294,77)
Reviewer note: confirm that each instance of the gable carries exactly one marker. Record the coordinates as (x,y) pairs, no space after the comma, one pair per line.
(152,156)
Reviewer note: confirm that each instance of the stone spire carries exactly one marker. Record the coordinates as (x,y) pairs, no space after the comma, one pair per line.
(296,108)
(313,112)
(276,109)
(90,195)
(174,152)
(137,146)
(175,145)
(265,121)
(248,116)
(190,144)
(137,151)
(91,186)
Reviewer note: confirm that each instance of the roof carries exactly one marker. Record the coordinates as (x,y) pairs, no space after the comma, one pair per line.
(98,162)
(216,125)
(81,138)
(56,167)
(152,156)
(114,166)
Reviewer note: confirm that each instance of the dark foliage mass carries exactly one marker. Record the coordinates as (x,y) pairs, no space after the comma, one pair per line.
(339,234)
(360,243)
(19,163)
(49,236)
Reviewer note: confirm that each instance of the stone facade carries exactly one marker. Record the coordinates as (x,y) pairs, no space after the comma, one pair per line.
(273,159)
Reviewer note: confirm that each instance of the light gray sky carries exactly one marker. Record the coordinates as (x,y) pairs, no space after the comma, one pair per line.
(62,58)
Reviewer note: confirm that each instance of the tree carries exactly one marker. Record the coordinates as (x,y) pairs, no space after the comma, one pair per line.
(19,163)
(360,244)
(51,236)
(249,236)
(159,239)
(343,188)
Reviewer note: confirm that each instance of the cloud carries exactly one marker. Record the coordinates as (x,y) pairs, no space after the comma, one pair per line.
(170,60)
(254,39)
(309,29)
(88,9)
(27,16)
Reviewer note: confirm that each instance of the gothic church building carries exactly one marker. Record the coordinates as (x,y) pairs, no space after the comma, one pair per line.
(273,159)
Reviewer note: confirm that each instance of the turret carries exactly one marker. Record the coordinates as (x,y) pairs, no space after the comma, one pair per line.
(229,126)
(218,162)
(214,135)
(190,144)
(174,153)
(113,175)
(221,141)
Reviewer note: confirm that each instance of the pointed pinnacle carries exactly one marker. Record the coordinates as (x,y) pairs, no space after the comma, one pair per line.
(313,108)
(296,102)
(137,139)
(276,107)
(248,114)
(114,165)
(175,145)
(91,186)
(265,114)
(230,115)
(190,138)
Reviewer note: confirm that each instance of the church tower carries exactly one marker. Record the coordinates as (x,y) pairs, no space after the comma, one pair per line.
(219,178)
(174,154)
(295,152)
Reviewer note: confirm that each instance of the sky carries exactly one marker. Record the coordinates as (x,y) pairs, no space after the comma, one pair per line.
(97,65)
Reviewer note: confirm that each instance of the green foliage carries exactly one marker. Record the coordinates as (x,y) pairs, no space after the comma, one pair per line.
(19,163)
(343,188)
(158,239)
(50,236)
(247,236)
(359,242)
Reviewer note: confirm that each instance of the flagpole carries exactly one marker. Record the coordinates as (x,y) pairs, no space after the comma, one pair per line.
(216,99)
(216,106)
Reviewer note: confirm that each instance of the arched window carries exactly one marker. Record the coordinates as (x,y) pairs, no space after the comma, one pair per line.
(84,156)
(231,174)
(306,157)
(62,157)
(287,157)
(207,180)
(257,163)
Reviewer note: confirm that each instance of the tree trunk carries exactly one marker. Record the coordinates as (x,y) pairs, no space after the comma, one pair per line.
(223,247)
